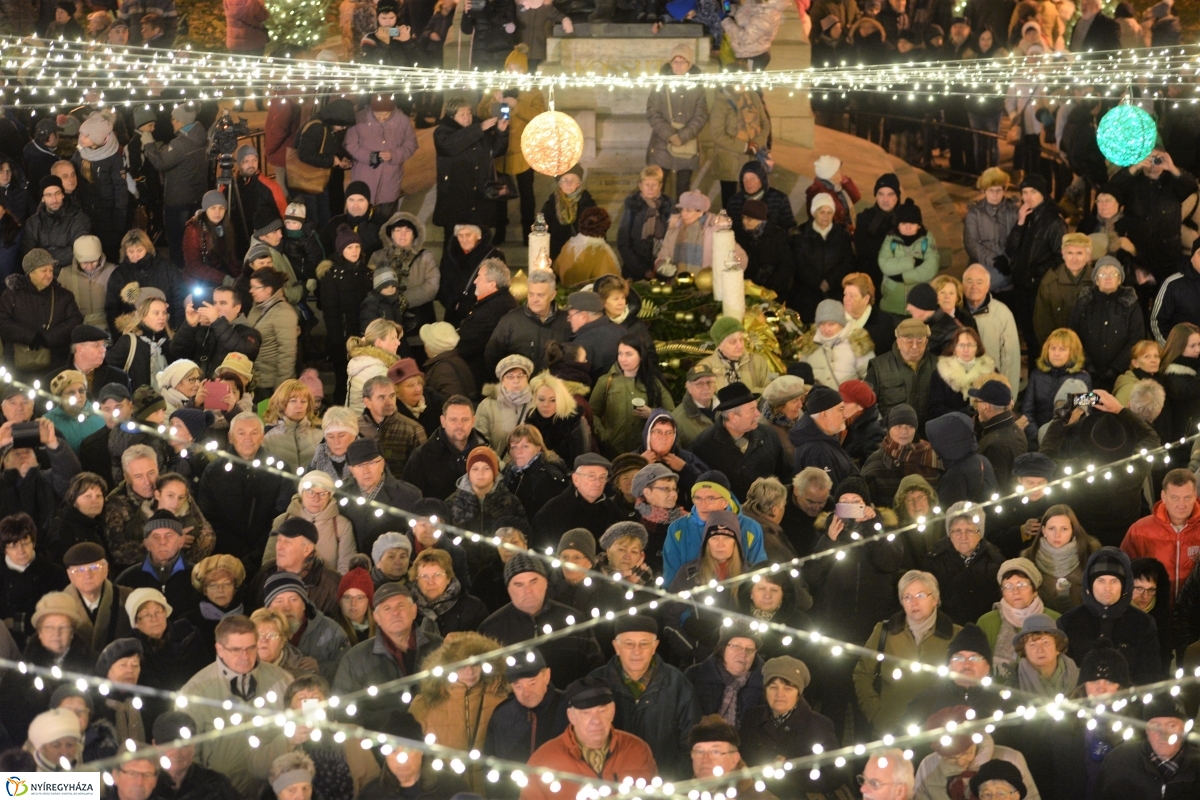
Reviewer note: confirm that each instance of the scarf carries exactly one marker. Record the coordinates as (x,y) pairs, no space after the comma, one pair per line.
(731,368)
(764,615)
(822,232)
(174,397)
(653,226)
(517,400)
(1058,561)
(242,687)
(401,260)
(922,630)
(775,417)
(957,785)
(566,206)
(779,720)
(100,152)
(1004,656)
(1066,674)
(1017,616)
(689,246)
(1167,767)
(729,699)
(324,461)
(418,409)
(916,458)
(444,602)
(748,120)
(214,613)
(659,516)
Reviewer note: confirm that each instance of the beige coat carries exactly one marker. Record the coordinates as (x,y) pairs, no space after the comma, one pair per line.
(279,325)
(729,147)
(335,534)
(753,369)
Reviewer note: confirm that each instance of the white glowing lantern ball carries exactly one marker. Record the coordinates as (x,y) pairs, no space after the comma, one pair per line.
(552,143)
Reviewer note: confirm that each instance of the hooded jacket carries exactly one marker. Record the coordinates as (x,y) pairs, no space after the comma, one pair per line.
(416,268)
(685,537)
(815,448)
(779,205)
(692,465)
(903,267)
(1109,325)
(968,476)
(1133,632)
(153,270)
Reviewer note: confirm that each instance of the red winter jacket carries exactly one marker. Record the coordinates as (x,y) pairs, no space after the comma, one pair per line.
(244,29)
(283,120)
(628,756)
(1154,537)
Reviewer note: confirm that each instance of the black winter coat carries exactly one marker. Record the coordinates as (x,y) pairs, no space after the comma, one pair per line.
(638,253)
(170,662)
(1109,325)
(1127,773)
(56,231)
(316,143)
(490,42)
(770,263)
(104,196)
(709,687)
(15,196)
(367,227)
(570,510)
(379,306)
(1178,301)
(153,270)
(569,657)
(968,590)
(37,318)
(69,527)
(207,345)
(456,290)
(1182,386)
(968,475)
(537,484)
(560,232)
(871,227)
(1153,208)
(467,614)
(779,207)
(394,493)
(40,492)
(818,260)
(864,434)
(139,361)
(241,504)
(1037,404)
(464,157)
(815,448)
(1035,247)
(763,743)
(436,466)
(20,700)
(511,732)
(304,251)
(476,329)
(20,592)
(200,783)
(522,332)
(1078,141)
(763,457)
(1001,442)
(1132,631)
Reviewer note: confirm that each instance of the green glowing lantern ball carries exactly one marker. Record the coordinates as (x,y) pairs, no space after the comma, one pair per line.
(1126,135)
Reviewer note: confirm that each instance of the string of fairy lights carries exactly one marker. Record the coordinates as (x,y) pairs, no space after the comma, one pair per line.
(518,772)
(61,73)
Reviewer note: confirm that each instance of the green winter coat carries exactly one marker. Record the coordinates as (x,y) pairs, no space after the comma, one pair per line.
(990,623)
(903,267)
(612,410)
(1056,297)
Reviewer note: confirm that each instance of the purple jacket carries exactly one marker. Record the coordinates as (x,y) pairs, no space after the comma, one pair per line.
(368,135)
(245,29)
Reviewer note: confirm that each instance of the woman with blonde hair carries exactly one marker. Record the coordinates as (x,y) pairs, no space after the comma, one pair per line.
(141,349)
(141,266)
(559,418)
(535,473)
(315,502)
(951,298)
(294,429)
(369,355)
(274,647)
(70,388)
(1061,359)
(1145,360)
(457,712)
(720,559)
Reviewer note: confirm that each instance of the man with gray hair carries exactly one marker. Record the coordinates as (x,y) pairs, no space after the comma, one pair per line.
(811,488)
(492,302)
(398,435)
(888,775)
(241,502)
(995,322)
(1146,400)
(123,507)
(527,330)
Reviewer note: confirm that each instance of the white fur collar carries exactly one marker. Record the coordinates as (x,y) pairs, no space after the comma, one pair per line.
(958,377)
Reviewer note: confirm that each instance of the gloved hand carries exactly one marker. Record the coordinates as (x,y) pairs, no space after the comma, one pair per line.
(38,342)
(147,137)
(311,284)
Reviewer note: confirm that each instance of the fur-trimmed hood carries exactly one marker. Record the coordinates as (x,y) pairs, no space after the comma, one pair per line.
(456,647)
(385,232)
(859,340)
(958,377)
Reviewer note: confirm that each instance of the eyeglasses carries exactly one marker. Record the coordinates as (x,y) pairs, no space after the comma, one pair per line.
(972,531)
(908,598)
(149,615)
(997,794)
(711,752)
(592,478)
(245,651)
(262,637)
(872,783)
(319,495)
(1020,586)
(431,576)
(670,489)
(737,648)
(62,630)
(1148,591)
(144,776)
(957,659)
(707,499)
(87,569)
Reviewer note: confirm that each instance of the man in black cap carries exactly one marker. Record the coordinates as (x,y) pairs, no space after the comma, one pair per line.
(1002,441)
(251,191)
(1165,764)
(738,446)
(922,305)
(24,484)
(529,614)
(164,567)
(359,217)
(582,504)
(371,480)
(568,583)
(41,153)
(295,552)
(1107,612)
(314,634)
(592,330)
(695,413)
(268,229)
(816,435)
(407,771)
(592,745)
(183,778)
(534,713)
(969,657)
(1034,247)
(655,702)
(396,650)
(873,225)
(101,601)
(89,346)
(56,224)
(769,261)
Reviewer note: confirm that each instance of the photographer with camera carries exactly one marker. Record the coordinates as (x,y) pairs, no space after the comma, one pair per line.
(183,165)
(24,486)
(1095,428)
(392,43)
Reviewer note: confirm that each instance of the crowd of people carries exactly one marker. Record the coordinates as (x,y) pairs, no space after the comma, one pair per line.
(373,403)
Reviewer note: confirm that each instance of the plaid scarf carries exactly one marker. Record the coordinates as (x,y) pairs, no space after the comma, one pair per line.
(1167,767)
(916,458)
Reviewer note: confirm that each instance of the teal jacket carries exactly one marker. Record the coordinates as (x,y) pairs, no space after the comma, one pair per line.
(686,534)
(903,267)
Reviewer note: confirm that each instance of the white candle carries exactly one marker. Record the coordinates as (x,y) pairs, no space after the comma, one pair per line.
(539,243)
(722,246)
(733,303)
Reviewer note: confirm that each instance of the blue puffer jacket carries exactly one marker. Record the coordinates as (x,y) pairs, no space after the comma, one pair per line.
(686,534)
(692,466)
(1038,402)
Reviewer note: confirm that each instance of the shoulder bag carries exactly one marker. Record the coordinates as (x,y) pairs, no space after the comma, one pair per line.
(302,177)
(35,359)
(690,148)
